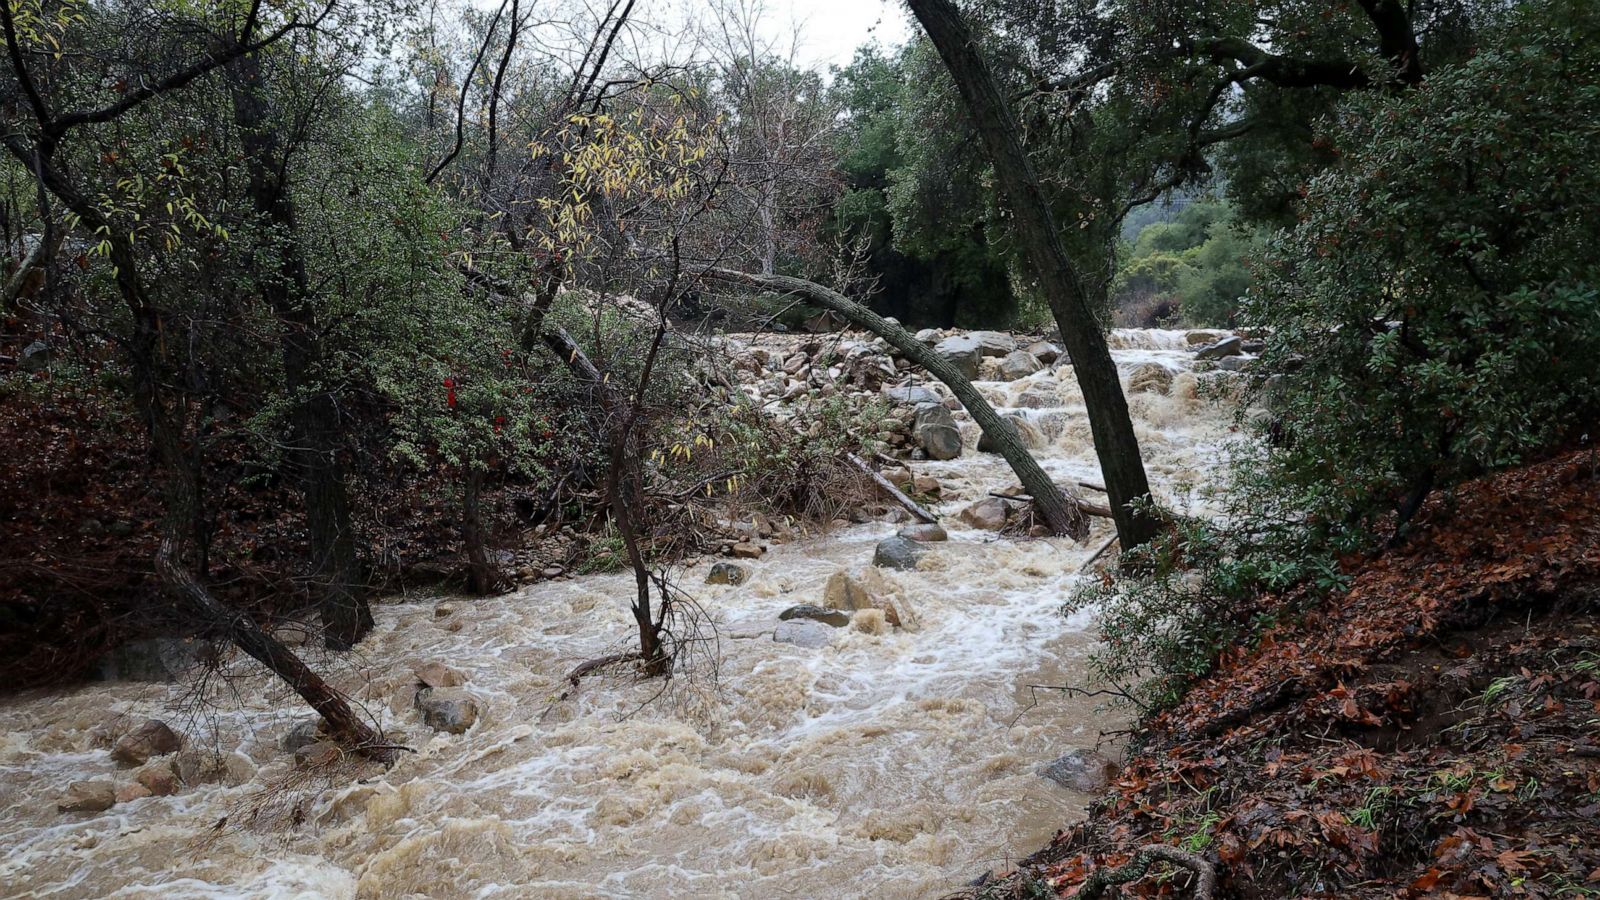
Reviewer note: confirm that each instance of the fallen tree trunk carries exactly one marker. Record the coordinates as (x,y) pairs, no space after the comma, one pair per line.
(1087,507)
(888,487)
(1205,877)
(343,723)
(1060,514)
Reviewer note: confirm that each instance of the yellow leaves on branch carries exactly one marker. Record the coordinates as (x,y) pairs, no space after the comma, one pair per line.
(641,160)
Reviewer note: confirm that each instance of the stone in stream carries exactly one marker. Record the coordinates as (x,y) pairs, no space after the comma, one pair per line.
(746,550)
(158,780)
(1019,364)
(926,485)
(1081,770)
(1228,346)
(153,738)
(318,755)
(925,533)
(304,732)
(898,553)
(88,796)
(438,675)
(1150,378)
(935,431)
(727,573)
(1235,364)
(989,514)
(1201,337)
(838,618)
(131,792)
(962,352)
(844,592)
(994,343)
(803,633)
(1027,435)
(1045,352)
(450,710)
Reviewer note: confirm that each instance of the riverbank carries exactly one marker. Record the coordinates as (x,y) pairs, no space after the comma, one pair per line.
(1431,732)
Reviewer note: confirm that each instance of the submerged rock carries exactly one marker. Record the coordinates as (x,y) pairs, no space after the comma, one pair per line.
(153,738)
(898,553)
(450,710)
(88,796)
(803,633)
(1081,770)
(727,573)
(131,792)
(925,533)
(1150,378)
(989,514)
(1027,435)
(844,592)
(302,734)
(838,618)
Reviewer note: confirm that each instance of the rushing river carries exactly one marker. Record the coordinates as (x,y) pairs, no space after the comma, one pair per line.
(885,765)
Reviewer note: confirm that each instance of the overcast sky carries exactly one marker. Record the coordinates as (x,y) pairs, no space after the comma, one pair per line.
(831,30)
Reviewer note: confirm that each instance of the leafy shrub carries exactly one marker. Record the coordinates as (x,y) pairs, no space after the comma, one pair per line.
(1435,314)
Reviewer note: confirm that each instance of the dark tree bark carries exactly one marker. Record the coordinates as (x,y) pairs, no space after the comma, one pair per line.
(1060,512)
(335,563)
(1064,288)
(482,576)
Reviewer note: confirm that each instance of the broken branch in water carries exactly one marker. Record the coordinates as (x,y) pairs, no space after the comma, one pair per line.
(888,487)
(1084,506)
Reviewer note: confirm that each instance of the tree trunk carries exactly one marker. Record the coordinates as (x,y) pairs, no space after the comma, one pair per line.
(1114,439)
(482,578)
(335,563)
(1059,512)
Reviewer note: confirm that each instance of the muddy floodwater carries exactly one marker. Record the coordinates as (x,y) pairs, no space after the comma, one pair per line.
(885,765)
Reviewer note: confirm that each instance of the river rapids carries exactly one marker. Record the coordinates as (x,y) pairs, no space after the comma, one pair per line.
(885,765)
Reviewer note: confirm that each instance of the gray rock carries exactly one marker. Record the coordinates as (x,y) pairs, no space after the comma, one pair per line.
(994,343)
(1029,436)
(303,734)
(88,796)
(1228,346)
(926,533)
(989,514)
(935,432)
(152,659)
(153,738)
(803,633)
(1019,364)
(1045,352)
(962,352)
(449,709)
(912,394)
(1081,770)
(1253,348)
(1235,363)
(35,357)
(727,573)
(898,553)
(929,336)
(837,618)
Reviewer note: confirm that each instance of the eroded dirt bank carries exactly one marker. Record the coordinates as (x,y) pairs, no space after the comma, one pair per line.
(1435,732)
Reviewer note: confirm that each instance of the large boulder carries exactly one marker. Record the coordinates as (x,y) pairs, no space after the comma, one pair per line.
(35,357)
(961,351)
(727,573)
(1228,346)
(911,394)
(837,618)
(159,780)
(803,633)
(989,514)
(447,709)
(1081,770)
(1019,364)
(1150,378)
(1030,437)
(994,343)
(153,738)
(88,796)
(1045,352)
(898,553)
(935,432)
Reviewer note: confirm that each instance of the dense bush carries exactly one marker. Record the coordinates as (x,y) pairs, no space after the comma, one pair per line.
(1191,269)
(1435,314)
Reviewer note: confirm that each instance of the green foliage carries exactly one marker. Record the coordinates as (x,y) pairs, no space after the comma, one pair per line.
(1434,315)
(1192,268)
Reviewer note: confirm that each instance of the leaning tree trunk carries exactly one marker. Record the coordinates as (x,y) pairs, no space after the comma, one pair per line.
(336,568)
(1060,512)
(1112,427)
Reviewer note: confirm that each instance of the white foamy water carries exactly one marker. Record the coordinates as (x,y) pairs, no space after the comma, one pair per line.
(887,765)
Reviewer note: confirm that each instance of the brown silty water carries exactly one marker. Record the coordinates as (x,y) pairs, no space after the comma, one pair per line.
(890,764)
